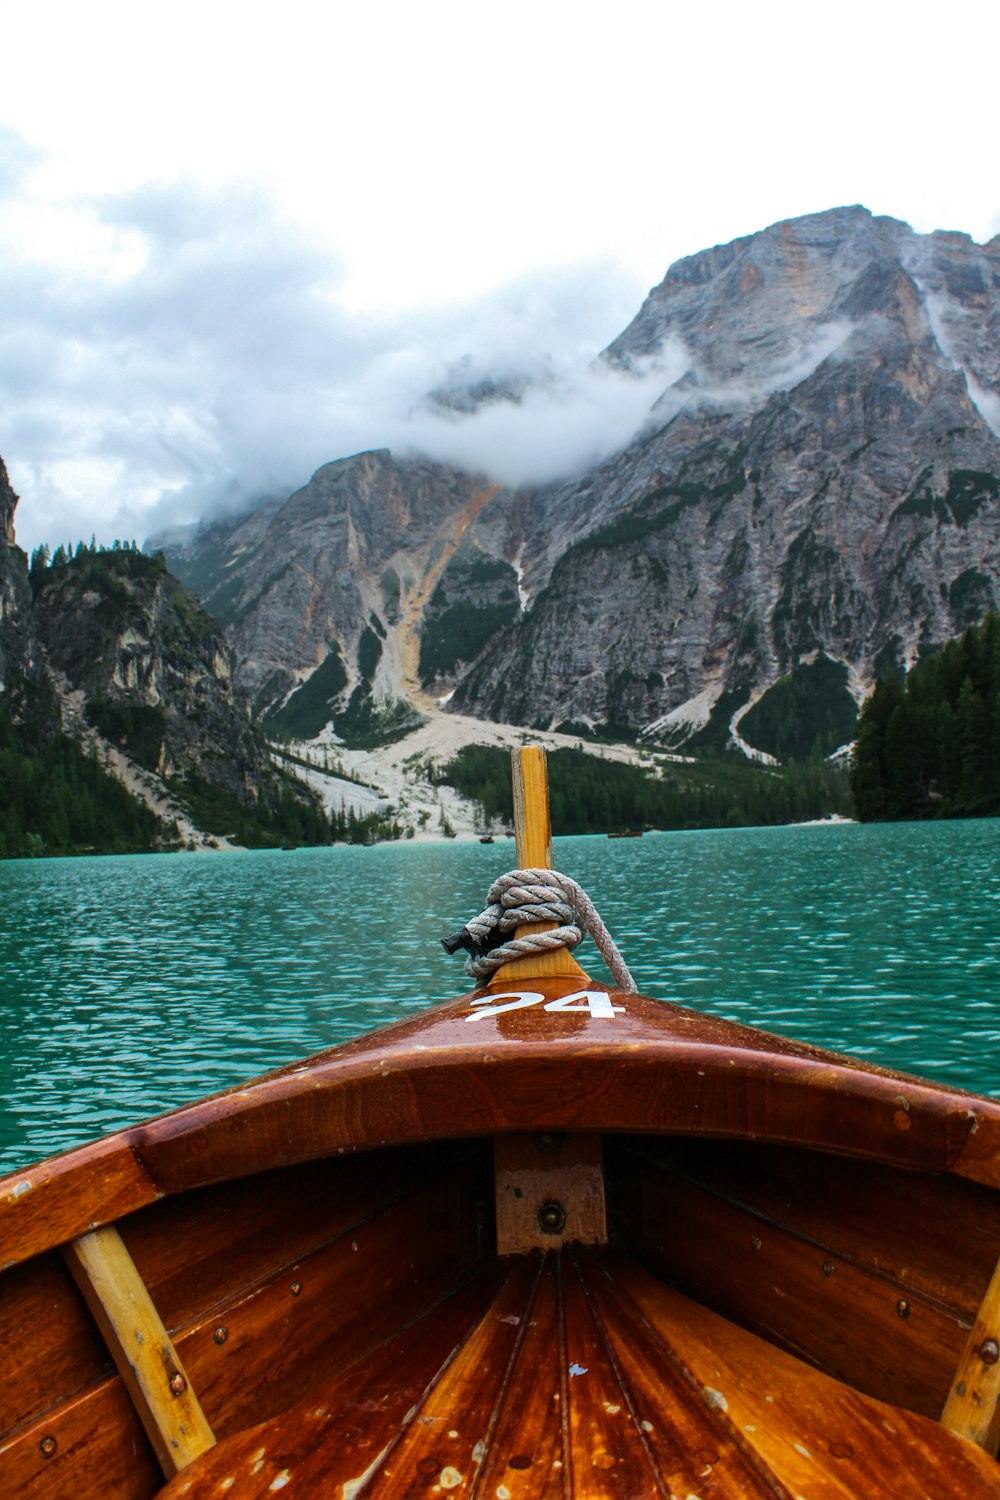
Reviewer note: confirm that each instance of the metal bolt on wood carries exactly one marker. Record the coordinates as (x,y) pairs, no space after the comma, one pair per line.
(552,1217)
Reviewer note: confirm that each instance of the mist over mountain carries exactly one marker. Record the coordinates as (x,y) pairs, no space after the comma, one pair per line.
(803,486)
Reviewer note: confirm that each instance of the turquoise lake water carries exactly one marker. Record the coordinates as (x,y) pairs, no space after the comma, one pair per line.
(131,985)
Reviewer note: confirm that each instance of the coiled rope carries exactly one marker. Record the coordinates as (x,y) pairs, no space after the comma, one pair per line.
(534,896)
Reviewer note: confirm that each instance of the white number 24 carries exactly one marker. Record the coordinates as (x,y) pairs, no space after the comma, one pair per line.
(595,1001)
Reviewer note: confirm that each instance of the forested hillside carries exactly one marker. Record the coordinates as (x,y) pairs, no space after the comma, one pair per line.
(129,670)
(590,795)
(929,747)
(56,798)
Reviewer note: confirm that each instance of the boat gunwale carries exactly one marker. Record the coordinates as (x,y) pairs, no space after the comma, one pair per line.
(666,1071)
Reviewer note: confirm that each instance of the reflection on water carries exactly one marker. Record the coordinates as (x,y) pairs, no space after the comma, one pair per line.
(131,985)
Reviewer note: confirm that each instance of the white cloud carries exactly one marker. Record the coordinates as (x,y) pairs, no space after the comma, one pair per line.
(200,356)
(440,166)
(572,418)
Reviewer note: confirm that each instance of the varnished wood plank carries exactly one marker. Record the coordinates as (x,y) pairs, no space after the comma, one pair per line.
(525,1456)
(549,1191)
(607,1453)
(325,1444)
(973,1405)
(449,1436)
(693,1453)
(931,1233)
(313,1319)
(92,1447)
(887,1339)
(213,1245)
(45,1205)
(819,1437)
(533,846)
(149,1364)
(979,1155)
(59,1347)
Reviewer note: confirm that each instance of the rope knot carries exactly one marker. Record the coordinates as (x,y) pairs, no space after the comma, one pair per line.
(523,896)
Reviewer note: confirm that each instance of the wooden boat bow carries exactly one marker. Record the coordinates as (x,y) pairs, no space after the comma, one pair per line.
(552,1238)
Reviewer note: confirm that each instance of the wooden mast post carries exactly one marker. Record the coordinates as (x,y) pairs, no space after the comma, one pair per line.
(549,1188)
(533,842)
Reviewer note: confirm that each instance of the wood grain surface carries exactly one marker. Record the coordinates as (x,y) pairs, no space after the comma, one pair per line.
(581,1375)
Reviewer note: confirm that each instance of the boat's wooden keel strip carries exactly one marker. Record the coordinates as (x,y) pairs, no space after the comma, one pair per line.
(584,1376)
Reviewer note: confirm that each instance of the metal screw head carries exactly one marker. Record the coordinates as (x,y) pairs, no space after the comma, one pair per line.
(47,1447)
(902,1308)
(989,1351)
(552,1217)
(296,1289)
(220,1335)
(178,1385)
(828,1268)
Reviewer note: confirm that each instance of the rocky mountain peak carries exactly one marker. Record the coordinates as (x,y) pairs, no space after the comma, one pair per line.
(821,486)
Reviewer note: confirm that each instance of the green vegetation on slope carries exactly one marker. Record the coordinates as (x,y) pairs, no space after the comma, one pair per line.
(310,708)
(806,715)
(929,747)
(56,798)
(475,598)
(588,794)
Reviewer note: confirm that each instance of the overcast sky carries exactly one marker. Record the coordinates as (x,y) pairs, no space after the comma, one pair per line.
(237,241)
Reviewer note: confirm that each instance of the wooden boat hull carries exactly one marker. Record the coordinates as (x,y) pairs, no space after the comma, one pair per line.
(768,1267)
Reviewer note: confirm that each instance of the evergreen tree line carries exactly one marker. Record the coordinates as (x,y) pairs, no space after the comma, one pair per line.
(588,794)
(56,798)
(929,746)
(287,819)
(42,559)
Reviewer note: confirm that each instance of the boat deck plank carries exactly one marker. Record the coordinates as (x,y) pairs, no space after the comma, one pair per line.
(326,1444)
(817,1437)
(581,1375)
(525,1454)
(876,1330)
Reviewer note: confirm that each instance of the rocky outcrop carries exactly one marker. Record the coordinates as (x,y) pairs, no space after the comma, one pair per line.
(343,570)
(151,670)
(19,660)
(822,483)
(823,480)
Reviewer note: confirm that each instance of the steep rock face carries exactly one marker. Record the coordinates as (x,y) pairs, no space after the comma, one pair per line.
(822,482)
(19,659)
(357,551)
(152,667)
